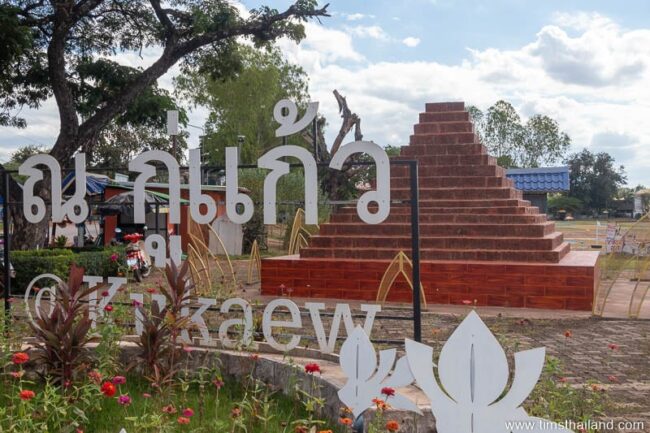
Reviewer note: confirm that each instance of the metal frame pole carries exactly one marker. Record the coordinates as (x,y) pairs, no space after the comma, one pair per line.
(415,250)
(5,234)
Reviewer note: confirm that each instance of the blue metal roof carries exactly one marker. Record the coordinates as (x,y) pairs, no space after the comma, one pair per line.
(545,179)
(95,183)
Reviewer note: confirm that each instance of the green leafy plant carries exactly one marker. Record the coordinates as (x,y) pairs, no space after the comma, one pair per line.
(556,399)
(60,241)
(62,336)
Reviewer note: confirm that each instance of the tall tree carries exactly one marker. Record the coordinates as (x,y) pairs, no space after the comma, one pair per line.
(47,41)
(241,105)
(539,141)
(595,179)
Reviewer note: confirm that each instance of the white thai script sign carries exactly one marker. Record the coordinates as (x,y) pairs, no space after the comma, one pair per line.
(76,208)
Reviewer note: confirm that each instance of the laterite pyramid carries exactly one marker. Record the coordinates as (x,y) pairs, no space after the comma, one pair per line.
(480,242)
(469,210)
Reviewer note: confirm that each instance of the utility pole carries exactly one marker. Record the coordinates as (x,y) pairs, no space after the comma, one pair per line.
(172,129)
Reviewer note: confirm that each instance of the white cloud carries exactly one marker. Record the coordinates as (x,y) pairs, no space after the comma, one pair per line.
(354,17)
(607,96)
(411,42)
(373,32)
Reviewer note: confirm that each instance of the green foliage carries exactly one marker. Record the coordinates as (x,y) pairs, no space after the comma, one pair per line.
(594,179)
(51,410)
(562,202)
(107,352)
(559,402)
(31,263)
(60,241)
(290,196)
(535,143)
(241,105)
(63,334)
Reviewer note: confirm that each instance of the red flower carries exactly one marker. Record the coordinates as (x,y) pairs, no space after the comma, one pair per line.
(613,346)
(346,421)
(312,368)
(563,380)
(114,257)
(151,290)
(218,383)
(27,394)
(108,389)
(20,358)
(388,391)
(235,412)
(188,412)
(568,334)
(105,293)
(392,425)
(254,357)
(183,420)
(169,409)
(108,308)
(612,378)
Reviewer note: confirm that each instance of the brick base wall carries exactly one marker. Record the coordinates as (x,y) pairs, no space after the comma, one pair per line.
(569,284)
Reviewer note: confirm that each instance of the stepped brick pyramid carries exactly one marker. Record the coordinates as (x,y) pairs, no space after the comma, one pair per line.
(479,240)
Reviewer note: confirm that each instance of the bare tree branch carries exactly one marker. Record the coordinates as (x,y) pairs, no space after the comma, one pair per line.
(350,120)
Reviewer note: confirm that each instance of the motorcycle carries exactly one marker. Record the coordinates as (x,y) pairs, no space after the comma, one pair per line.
(136,258)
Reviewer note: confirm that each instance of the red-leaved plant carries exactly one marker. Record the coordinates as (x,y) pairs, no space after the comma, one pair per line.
(63,334)
(161,328)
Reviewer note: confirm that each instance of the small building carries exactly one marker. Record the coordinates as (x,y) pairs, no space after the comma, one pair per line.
(157,222)
(537,183)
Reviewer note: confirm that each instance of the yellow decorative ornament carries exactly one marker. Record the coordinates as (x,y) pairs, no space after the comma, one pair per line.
(299,234)
(254,260)
(401,264)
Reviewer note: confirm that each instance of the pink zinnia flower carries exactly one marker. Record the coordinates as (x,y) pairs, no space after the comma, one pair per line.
(188,412)
(119,380)
(124,400)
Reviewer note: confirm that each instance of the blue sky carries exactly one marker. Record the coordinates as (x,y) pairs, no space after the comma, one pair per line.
(584,63)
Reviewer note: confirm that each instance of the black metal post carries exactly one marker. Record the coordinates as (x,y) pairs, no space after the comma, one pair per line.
(5,240)
(157,222)
(415,250)
(314,131)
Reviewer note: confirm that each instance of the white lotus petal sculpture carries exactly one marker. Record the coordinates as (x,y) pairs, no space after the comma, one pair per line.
(358,361)
(473,374)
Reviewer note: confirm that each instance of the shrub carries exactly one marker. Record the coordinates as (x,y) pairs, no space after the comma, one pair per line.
(31,263)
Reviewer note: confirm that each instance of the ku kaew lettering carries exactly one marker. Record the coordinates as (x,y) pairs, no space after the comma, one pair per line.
(243,321)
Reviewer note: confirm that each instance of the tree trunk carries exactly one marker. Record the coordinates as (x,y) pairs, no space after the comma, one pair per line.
(26,235)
